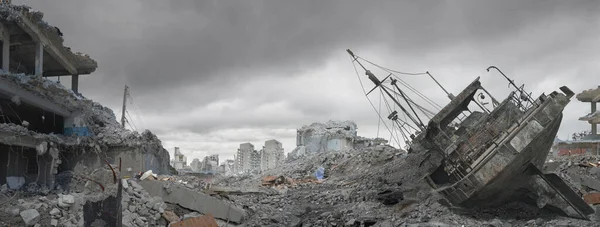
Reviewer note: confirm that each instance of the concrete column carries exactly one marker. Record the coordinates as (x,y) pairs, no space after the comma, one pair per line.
(594,126)
(5,48)
(75,83)
(39,58)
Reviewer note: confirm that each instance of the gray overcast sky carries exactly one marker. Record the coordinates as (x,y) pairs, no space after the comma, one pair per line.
(208,75)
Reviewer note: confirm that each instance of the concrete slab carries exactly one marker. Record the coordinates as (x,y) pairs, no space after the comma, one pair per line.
(205,204)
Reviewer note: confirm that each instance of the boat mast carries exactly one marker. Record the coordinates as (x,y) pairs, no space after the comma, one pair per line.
(450,95)
(377,83)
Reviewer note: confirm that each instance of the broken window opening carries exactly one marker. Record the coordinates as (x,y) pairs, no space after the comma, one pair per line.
(37,119)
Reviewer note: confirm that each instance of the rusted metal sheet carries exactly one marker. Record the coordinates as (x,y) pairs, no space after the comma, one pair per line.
(592,198)
(202,221)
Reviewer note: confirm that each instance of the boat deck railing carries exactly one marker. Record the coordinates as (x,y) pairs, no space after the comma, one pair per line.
(460,165)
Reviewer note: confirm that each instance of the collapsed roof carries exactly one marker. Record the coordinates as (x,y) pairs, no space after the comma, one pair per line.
(25,28)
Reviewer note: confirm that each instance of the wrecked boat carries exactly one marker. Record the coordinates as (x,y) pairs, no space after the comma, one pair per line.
(480,153)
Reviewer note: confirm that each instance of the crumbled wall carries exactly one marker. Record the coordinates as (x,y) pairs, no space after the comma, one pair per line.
(107,136)
(316,137)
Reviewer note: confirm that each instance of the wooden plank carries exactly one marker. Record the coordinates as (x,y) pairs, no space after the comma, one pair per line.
(592,198)
(202,221)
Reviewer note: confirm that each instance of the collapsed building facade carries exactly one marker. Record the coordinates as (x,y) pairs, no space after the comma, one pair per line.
(46,128)
(586,142)
(330,136)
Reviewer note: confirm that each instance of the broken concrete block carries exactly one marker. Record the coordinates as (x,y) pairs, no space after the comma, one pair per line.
(191,215)
(136,187)
(30,217)
(54,222)
(590,183)
(170,216)
(65,201)
(195,201)
(55,212)
(124,183)
(595,172)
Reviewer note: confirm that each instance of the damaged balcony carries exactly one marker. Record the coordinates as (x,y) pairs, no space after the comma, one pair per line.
(33,47)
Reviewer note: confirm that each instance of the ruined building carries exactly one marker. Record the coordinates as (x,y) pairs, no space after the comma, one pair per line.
(588,142)
(272,154)
(228,167)
(47,129)
(330,136)
(211,164)
(196,165)
(179,160)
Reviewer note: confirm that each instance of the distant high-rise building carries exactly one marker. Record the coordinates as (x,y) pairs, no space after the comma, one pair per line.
(247,158)
(272,154)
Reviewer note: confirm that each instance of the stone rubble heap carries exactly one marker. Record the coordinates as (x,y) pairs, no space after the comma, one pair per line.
(139,208)
(371,187)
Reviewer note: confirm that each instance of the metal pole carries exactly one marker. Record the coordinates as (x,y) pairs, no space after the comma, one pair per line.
(124,106)
(450,96)
(406,100)
(420,125)
(511,82)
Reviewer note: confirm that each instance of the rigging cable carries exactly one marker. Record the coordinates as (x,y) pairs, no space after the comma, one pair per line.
(402,81)
(365,92)
(379,121)
(427,99)
(391,70)
(423,109)
(389,111)
(127,112)
(137,111)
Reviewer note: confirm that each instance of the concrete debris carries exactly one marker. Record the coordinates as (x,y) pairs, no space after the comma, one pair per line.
(65,201)
(170,216)
(194,200)
(30,217)
(281,181)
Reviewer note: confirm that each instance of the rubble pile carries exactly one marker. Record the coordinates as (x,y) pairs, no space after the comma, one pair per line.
(139,208)
(34,206)
(343,128)
(374,186)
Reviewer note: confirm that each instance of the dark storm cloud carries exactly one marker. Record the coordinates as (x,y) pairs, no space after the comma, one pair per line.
(181,56)
(160,45)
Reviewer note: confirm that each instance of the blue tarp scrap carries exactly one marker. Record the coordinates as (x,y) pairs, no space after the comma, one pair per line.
(78,131)
(320,173)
